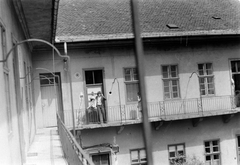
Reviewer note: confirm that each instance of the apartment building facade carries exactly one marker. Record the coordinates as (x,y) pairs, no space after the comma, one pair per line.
(192,63)
(18,124)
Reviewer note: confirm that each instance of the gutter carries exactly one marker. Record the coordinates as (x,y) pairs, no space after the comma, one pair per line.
(125,36)
(19,11)
(54,19)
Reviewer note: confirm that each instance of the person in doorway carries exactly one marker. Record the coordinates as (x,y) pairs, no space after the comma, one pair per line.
(139,109)
(92,102)
(100,107)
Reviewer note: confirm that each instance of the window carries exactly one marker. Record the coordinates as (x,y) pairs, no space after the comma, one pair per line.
(132,85)
(212,152)
(176,154)
(170,81)
(235,66)
(94,77)
(138,157)
(206,79)
(8,102)
(238,147)
(3,43)
(101,159)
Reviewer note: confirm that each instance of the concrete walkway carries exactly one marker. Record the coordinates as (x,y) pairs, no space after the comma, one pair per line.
(46,149)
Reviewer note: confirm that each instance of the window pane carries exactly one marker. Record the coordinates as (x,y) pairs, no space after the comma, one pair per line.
(143,156)
(215,157)
(175,89)
(211,91)
(105,159)
(98,78)
(166,83)
(208,66)
(173,71)
(202,80)
(174,82)
(207,150)
(238,66)
(207,144)
(238,139)
(127,78)
(172,154)
(89,77)
(96,159)
(208,158)
(233,65)
(203,92)
(215,143)
(175,95)
(200,72)
(171,148)
(128,74)
(167,95)
(215,149)
(132,90)
(200,69)
(134,156)
(166,89)
(135,75)
(210,79)
(165,71)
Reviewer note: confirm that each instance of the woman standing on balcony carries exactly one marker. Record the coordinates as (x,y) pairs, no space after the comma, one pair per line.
(100,107)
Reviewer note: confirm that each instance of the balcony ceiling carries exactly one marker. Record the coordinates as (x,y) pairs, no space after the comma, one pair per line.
(38,19)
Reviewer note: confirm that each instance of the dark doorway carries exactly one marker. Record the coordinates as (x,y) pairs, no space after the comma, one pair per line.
(94,84)
(235,67)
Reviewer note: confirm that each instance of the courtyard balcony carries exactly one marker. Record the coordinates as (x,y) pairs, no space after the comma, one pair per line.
(157,111)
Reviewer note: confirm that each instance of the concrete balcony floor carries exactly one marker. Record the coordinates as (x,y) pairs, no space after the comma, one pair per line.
(46,148)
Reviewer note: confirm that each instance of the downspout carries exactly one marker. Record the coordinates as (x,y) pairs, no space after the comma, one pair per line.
(70,81)
(139,56)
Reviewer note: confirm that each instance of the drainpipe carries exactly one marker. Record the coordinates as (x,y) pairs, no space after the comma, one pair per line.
(70,81)
(141,72)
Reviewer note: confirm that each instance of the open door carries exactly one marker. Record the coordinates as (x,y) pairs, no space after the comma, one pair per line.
(94,84)
(235,68)
(51,98)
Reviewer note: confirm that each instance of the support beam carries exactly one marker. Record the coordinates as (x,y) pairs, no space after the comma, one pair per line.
(158,124)
(227,118)
(120,129)
(196,121)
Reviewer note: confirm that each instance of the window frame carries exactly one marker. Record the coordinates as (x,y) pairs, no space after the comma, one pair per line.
(212,153)
(175,145)
(238,147)
(170,79)
(102,153)
(132,81)
(8,101)
(205,77)
(139,159)
(3,44)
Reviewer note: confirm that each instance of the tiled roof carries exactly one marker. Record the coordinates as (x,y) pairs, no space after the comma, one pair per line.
(81,20)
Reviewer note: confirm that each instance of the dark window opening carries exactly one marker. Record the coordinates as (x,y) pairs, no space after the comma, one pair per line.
(101,159)
(94,77)
(48,78)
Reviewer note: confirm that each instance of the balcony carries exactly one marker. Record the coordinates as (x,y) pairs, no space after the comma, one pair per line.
(56,145)
(157,111)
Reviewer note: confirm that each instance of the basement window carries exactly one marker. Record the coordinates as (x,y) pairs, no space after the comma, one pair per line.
(172,26)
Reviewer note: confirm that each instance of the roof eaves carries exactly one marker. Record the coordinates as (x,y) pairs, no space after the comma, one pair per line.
(106,37)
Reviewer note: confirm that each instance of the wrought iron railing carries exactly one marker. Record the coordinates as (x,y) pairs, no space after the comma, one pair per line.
(73,153)
(156,110)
